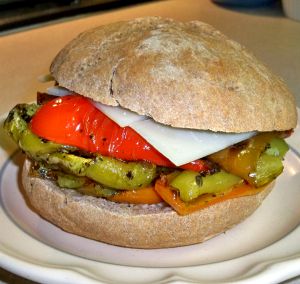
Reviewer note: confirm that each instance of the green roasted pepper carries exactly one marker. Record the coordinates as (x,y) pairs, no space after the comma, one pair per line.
(16,121)
(84,185)
(191,184)
(107,171)
(70,181)
(121,175)
(269,164)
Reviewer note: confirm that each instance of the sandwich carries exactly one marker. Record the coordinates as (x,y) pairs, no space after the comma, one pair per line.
(156,134)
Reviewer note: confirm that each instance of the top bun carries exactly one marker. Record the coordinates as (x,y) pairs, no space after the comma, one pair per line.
(185,75)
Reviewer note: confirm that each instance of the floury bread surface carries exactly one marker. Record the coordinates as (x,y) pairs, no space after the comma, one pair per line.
(182,74)
(135,226)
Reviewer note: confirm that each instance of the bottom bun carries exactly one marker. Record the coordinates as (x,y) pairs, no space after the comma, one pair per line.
(135,226)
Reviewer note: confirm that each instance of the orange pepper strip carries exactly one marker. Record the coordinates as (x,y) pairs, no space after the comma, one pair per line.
(145,195)
(171,196)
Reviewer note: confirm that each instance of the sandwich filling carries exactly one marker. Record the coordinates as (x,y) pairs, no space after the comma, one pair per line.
(73,143)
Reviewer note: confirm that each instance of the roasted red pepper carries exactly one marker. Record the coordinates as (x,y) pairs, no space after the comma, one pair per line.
(74,120)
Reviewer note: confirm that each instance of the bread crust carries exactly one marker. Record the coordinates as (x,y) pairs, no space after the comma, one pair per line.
(135,226)
(186,75)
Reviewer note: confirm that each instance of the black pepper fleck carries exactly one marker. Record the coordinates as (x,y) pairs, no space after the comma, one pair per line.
(199,180)
(129,174)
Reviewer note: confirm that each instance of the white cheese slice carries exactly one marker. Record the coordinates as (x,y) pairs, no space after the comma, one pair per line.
(58,91)
(121,116)
(182,146)
(179,145)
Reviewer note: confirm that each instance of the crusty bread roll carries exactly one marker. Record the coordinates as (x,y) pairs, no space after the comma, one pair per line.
(135,226)
(186,75)
(182,74)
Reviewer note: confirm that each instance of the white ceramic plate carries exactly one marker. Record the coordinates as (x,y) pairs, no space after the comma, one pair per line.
(263,248)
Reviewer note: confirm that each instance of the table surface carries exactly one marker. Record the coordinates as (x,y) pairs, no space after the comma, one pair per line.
(27,53)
